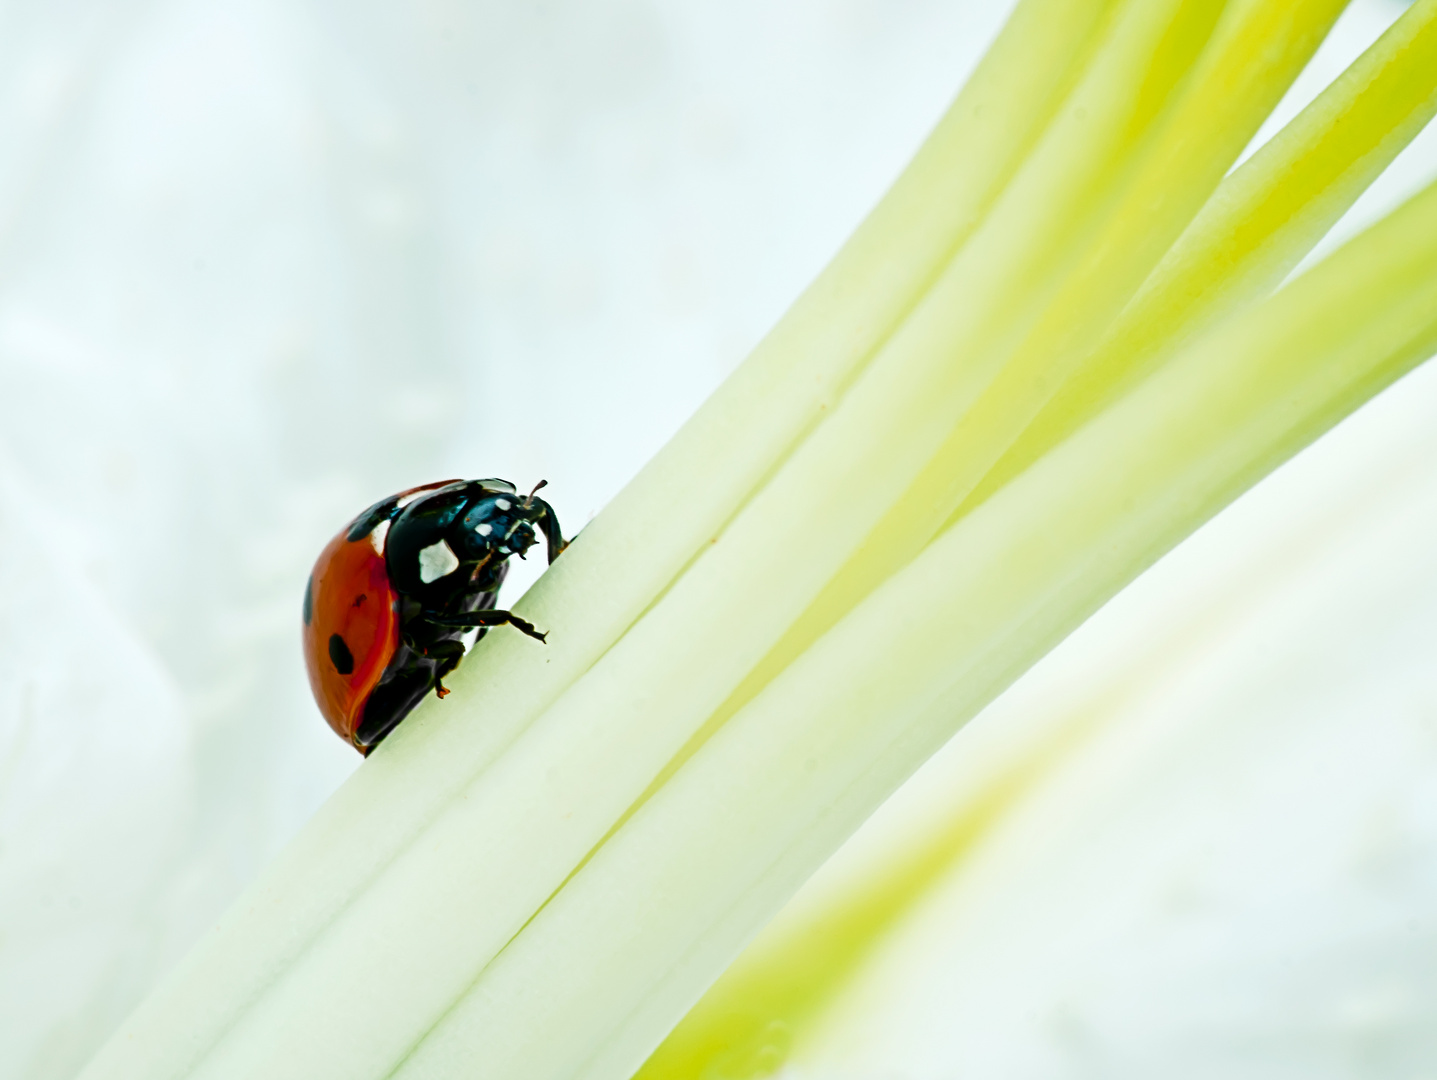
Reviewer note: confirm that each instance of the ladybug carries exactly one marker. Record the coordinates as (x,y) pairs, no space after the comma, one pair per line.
(392,596)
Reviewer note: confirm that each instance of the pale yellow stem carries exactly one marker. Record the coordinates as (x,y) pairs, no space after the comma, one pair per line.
(1253,58)
(1259,224)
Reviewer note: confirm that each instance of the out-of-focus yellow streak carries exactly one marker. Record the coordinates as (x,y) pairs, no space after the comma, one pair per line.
(743,1027)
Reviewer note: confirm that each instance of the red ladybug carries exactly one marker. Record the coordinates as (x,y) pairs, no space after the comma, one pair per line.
(392,596)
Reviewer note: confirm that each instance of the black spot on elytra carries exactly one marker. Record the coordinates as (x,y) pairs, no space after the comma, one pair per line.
(340,655)
(359,600)
(309,600)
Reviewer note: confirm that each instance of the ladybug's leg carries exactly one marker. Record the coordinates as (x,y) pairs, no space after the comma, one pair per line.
(448,654)
(470,619)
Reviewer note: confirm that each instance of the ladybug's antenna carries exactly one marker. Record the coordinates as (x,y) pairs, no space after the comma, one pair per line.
(529,500)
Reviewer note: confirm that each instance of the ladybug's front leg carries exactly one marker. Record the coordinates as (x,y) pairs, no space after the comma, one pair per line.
(470,619)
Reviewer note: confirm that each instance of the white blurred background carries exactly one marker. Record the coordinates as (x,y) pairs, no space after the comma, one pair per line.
(263,263)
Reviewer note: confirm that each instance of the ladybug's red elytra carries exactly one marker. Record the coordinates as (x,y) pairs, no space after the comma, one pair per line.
(392,596)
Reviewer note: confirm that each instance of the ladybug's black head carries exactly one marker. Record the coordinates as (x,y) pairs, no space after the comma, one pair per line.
(504,523)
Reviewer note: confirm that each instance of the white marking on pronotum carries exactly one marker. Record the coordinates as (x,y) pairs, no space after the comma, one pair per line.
(435,561)
(484,530)
(503,504)
(402,503)
(378,535)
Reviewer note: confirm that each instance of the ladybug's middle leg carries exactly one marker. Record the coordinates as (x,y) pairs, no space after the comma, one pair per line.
(448,653)
(469,619)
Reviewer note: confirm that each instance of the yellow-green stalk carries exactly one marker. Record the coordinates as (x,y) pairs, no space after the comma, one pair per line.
(1260,223)
(1257,52)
